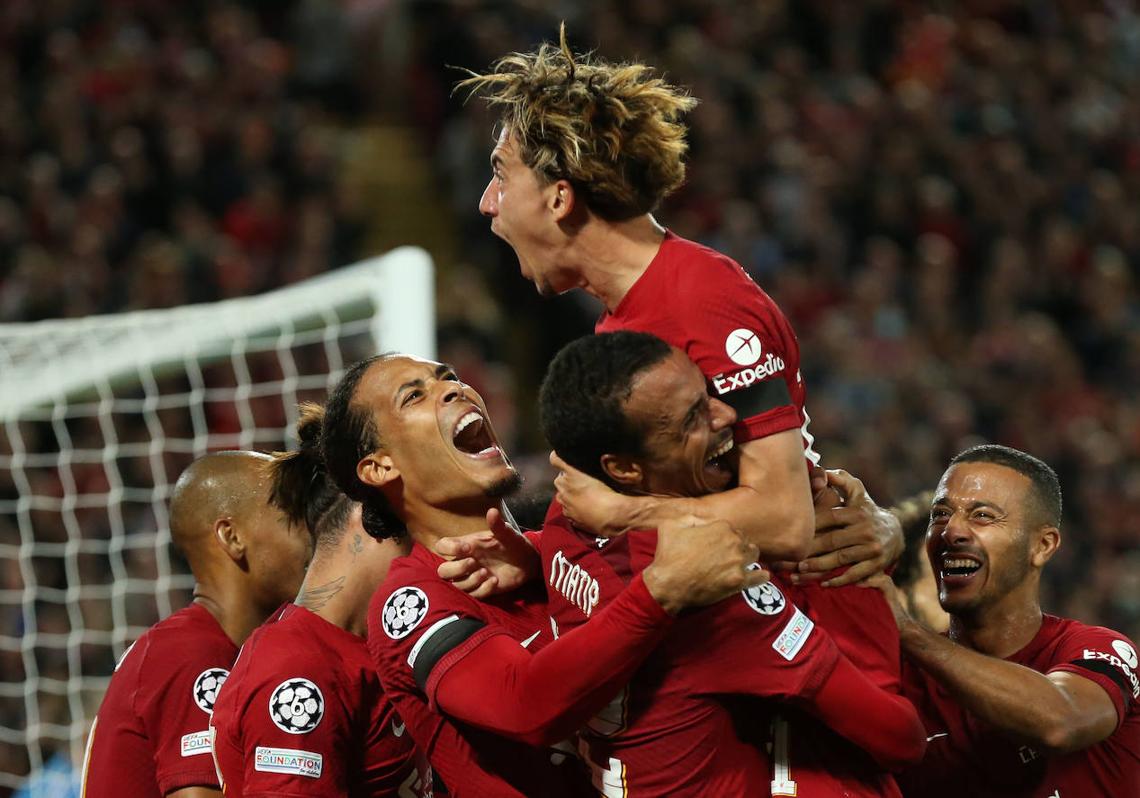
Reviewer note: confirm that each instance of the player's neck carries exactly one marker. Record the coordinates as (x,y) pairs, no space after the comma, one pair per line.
(428,525)
(612,256)
(1001,629)
(339,583)
(234,610)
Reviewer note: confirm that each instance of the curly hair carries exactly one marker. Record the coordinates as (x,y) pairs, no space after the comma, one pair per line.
(582,398)
(612,130)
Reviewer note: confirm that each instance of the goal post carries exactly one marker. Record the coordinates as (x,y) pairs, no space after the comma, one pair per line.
(99,416)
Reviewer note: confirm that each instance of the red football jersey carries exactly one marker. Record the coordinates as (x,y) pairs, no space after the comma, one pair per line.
(704,304)
(303,714)
(670,733)
(414,604)
(151,735)
(967,756)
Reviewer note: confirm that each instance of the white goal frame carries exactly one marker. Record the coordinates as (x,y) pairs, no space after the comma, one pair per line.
(53,371)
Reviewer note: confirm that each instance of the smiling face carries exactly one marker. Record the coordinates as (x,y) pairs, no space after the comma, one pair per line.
(435,434)
(687,434)
(981,538)
(524,213)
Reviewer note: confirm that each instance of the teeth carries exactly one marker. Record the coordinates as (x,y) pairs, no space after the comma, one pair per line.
(959,563)
(724,448)
(467,421)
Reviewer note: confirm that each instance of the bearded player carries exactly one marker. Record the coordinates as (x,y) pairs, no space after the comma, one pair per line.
(303,712)
(1018,703)
(150,737)
(480,682)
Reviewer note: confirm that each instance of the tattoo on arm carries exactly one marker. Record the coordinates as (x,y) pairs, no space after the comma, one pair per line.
(319,596)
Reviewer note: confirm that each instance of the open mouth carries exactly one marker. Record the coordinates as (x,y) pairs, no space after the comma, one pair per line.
(718,460)
(957,569)
(472,436)
(720,451)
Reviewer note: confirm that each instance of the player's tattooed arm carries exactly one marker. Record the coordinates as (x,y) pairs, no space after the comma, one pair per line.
(854,532)
(771,507)
(487,563)
(1059,711)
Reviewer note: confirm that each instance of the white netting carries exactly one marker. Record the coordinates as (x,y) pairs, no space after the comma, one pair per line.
(98,416)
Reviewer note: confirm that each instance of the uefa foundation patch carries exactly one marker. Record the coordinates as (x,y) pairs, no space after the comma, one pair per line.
(196,743)
(289,761)
(795,634)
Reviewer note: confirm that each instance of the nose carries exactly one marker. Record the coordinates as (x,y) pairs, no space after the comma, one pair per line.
(452,391)
(722,414)
(957,530)
(488,203)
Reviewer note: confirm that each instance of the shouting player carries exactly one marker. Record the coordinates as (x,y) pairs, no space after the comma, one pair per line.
(303,712)
(633,411)
(1018,703)
(586,152)
(479,682)
(150,737)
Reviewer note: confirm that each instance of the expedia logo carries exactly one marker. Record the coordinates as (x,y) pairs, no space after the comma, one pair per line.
(772,365)
(1118,663)
(742,347)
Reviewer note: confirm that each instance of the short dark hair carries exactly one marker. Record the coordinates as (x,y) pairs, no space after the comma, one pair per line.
(582,399)
(348,434)
(1046,487)
(302,488)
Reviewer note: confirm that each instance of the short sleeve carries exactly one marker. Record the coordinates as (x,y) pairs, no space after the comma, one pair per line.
(746,349)
(295,730)
(175,698)
(1105,657)
(421,630)
(766,647)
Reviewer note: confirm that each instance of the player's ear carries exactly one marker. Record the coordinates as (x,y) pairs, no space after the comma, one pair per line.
(1044,545)
(229,538)
(377,470)
(623,470)
(561,200)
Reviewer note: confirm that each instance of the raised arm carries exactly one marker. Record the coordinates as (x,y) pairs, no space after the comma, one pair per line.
(1060,710)
(486,679)
(771,507)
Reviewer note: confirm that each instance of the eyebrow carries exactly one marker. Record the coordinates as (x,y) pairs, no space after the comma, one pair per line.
(974,505)
(440,370)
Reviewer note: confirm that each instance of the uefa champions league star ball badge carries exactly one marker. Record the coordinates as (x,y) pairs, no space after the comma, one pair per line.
(296,706)
(206,688)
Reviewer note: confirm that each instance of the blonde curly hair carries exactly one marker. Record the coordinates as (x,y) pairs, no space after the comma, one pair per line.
(612,130)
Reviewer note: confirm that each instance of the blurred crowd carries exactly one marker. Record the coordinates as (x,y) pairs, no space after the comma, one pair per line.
(944,197)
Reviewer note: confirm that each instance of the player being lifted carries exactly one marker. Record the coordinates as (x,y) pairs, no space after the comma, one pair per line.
(303,711)
(479,682)
(150,737)
(586,151)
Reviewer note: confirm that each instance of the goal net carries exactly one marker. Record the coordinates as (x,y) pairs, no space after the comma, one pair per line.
(99,416)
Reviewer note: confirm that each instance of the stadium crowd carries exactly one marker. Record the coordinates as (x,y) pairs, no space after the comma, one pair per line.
(946,203)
